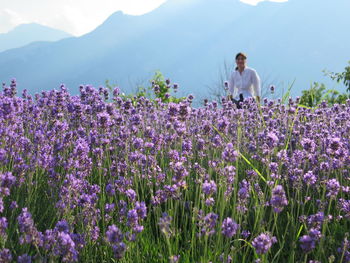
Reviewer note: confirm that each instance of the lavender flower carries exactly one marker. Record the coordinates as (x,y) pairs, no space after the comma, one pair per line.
(263,243)
(3,226)
(164,225)
(24,259)
(278,199)
(229,227)
(229,154)
(131,194)
(243,196)
(344,206)
(333,187)
(28,229)
(209,187)
(141,209)
(207,224)
(119,250)
(335,145)
(65,247)
(310,178)
(308,242)
(114,234)
(344,250)
(62,226)
(5,255)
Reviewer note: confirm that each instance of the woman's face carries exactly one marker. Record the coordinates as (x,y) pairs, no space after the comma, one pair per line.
(241,62)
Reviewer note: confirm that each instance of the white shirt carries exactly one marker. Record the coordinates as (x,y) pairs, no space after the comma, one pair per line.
(246,83)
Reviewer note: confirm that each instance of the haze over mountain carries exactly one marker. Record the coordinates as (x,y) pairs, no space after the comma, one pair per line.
(27,33)
(189,41)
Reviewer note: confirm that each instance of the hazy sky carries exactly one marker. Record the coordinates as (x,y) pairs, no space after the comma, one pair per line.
(76,17)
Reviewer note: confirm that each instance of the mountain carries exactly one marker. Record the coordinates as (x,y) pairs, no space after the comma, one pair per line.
(189,41)
(27,33)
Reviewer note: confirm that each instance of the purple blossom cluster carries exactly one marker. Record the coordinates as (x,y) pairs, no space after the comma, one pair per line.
(278,199)
(94,173)
(263,242)
(229,227)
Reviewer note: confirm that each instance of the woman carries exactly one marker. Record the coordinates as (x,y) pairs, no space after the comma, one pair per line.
(244,81)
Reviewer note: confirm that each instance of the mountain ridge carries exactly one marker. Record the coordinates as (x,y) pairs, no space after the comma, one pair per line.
(25,34)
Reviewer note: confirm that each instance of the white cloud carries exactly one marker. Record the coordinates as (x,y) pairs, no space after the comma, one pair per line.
(76,17)
(9,19)
(255,2)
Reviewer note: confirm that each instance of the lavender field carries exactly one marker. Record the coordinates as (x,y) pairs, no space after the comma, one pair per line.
(101,178)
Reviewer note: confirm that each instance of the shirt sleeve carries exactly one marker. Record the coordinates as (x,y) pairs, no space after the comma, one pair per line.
(256,83)
(231,84)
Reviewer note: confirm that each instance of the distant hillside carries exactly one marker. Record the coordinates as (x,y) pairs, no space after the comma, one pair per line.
(189,42)
(28,33)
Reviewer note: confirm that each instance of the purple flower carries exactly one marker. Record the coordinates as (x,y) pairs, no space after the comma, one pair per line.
(315,234)
(278,199)
(180,171)
(187,146)
(272,139)
(131,194)
(315,220)
(307,243)
(138,143)
(210,201)
(333,187)
(65,247)
(243,196)
(62,226)
(5,255)
(308,145)
(273,167)
(229,227)
(24,259)
(208,224)
(209,187)
(133,220)
(263,243)
(334,145)
(110,189)
(104,120)
(3,226)
(2,155)
(119,250)
(164,225)
(310,178)
(229,154)
(344,206)
(114,234)
(141,209)
(109,208)
(28,229)
(7,180)
(245,234)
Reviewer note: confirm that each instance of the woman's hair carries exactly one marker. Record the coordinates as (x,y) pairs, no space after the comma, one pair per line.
(241,54)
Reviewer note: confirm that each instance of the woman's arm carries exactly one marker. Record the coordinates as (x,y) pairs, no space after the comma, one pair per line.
(231,84)
(256,84)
